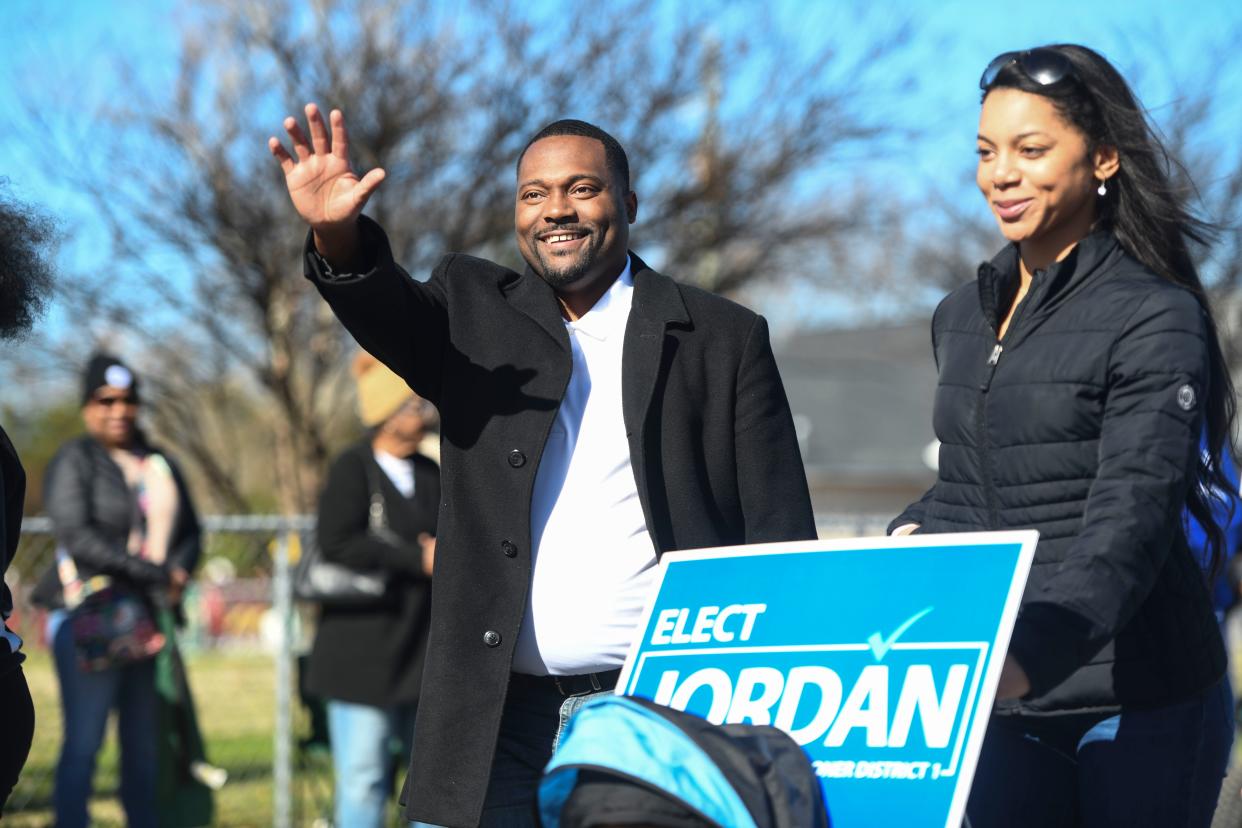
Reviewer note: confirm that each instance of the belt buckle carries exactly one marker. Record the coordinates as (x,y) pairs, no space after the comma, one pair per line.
(569,691)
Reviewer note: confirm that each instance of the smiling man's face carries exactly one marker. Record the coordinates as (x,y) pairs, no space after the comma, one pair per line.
(572,217)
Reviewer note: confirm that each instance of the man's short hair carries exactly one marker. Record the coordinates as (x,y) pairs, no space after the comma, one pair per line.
(614,155)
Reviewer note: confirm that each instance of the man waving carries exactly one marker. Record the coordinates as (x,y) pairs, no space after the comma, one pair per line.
(595,415)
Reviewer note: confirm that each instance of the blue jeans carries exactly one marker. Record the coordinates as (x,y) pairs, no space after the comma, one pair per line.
(367,743)
(87,699)
(1154,767)
(530,730)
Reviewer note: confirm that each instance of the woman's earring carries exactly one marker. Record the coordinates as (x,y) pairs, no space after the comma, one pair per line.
(1103,188)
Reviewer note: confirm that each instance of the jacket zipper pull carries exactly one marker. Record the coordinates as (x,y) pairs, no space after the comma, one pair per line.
(993,358)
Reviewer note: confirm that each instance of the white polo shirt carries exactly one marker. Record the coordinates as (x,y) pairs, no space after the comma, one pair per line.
(594,561)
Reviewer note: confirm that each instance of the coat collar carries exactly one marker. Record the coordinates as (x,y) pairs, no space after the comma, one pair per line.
(657,301)
(656,297)
(531,295)
(999,279)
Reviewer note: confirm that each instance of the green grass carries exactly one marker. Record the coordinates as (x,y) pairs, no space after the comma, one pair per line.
(235,696)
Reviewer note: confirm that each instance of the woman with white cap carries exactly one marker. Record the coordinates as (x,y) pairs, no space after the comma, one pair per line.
(127,538)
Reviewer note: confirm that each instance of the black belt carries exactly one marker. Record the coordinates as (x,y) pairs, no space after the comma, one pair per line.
(578,685)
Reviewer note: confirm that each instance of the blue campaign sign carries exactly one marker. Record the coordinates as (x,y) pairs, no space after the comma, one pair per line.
(880,656)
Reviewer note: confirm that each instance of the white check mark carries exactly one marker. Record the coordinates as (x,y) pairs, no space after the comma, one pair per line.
(881,645)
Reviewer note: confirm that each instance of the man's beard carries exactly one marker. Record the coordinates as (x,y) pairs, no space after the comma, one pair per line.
(558,274)
(25,272)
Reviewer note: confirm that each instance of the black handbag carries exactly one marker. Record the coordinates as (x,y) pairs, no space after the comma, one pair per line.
(333,584)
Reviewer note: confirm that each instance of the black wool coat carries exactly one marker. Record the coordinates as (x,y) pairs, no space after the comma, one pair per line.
(1085,425)
(373,654)
(711,440)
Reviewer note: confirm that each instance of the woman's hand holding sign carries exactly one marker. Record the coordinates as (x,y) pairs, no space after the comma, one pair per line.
(1014,683)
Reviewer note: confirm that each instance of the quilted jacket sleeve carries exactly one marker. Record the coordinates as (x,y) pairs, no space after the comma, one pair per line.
(1148,446)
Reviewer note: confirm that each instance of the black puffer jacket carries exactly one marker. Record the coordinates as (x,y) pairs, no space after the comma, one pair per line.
(1083,424)
(92,510)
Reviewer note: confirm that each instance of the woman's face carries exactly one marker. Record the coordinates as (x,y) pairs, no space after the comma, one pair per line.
(407,423)
(110,416)
(1036,172)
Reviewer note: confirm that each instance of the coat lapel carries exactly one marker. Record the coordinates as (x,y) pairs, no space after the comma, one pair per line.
(657,304)
(532,296)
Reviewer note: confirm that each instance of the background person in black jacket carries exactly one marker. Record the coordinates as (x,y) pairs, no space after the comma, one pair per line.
(367,661)
(99,491)
(1075,376)
(25,284)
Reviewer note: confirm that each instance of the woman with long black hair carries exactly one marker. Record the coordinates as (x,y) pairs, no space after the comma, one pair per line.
(1075,376)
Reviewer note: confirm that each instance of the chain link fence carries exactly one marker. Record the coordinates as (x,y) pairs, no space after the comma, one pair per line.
(243,642)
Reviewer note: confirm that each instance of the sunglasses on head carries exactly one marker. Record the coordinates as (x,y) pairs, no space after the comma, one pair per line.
(108,402)
(1043,65)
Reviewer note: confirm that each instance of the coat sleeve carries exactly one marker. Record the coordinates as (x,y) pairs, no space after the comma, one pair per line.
(427,473)
(342,530)
(401,322)
(776,505)
(914,513)
(67,493)
(1148,450)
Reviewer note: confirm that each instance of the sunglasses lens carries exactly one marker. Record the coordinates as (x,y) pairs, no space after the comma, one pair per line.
(1045,67)
(998,63)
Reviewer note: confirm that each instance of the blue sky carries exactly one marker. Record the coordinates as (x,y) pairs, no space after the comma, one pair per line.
(69,42)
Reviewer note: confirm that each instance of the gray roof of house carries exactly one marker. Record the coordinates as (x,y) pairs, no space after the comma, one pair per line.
(866,395)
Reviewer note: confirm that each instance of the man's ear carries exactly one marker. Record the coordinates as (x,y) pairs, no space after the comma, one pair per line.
(1107,161)
(631,206)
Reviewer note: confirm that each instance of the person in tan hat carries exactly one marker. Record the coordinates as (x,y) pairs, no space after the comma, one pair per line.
(367,660)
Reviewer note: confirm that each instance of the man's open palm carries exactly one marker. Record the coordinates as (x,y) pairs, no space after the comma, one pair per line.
(323,187)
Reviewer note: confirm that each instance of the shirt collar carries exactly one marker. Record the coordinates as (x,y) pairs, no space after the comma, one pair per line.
(609,315)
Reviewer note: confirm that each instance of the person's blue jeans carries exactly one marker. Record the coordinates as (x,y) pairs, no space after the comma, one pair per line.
(530,730)
(366,743)
(86,700)
(1154,767)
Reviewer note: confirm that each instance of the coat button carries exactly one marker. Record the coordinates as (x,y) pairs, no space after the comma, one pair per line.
(491,638)
(517,459)
(509,548)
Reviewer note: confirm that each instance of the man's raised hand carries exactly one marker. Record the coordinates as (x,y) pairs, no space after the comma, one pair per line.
(323,187)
